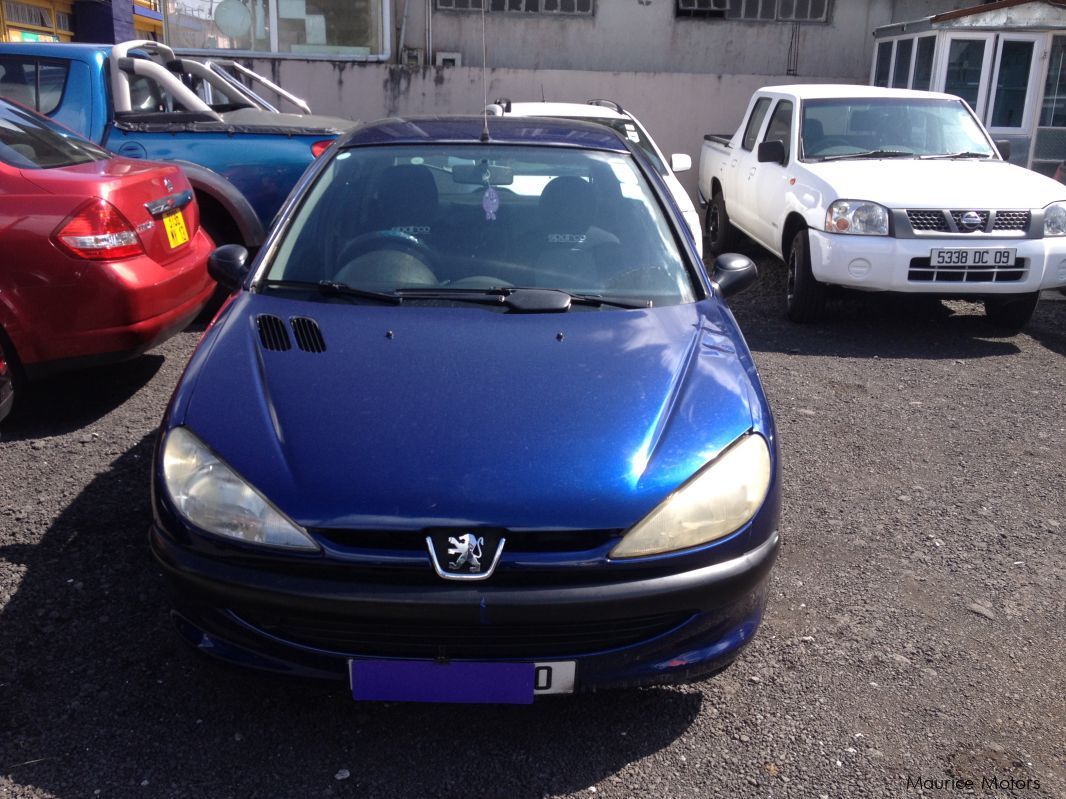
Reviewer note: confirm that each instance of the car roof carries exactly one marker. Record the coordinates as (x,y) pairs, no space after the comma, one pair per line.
(827,91)
(77,52)
(576,110)
(502,130)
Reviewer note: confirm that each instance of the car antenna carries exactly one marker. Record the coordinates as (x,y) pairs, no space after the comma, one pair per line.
(484,77)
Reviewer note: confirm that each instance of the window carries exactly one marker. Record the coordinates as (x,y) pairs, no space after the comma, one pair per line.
(34,83)
(923,63)
(25,14)
(756,10)
(965,62)
(520,6)
(780,127)
(883,64)
(754,123)
(901,72)
(340,28)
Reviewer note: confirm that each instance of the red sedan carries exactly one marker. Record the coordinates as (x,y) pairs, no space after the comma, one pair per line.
(102,257)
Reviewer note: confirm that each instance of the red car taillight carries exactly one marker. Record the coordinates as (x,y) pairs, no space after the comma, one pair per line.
(320,147)
(98,231)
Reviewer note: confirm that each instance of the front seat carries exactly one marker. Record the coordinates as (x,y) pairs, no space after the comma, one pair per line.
(563,247)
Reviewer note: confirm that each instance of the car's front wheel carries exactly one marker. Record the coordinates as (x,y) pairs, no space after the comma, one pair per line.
(805,296)
(1011,312)
(721,235)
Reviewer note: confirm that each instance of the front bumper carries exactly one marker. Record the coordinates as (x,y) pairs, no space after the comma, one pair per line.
(654,630)
(885,263)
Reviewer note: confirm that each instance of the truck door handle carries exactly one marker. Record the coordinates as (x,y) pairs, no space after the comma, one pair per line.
(752,171)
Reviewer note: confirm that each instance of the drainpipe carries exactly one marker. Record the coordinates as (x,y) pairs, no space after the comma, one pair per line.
(429,32)
(403,35)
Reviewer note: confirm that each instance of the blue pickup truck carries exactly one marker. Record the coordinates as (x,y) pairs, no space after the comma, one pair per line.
(141,100)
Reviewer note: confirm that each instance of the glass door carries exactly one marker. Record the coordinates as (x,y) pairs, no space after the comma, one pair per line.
(965,72)
(1015,83)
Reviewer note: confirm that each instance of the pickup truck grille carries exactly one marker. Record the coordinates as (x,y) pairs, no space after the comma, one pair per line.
(937,221)
(922,271)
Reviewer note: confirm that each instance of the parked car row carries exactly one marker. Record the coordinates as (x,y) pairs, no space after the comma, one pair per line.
(884,190)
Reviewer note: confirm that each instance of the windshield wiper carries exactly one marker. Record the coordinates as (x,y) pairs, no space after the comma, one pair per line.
(521,299)
(962,154)
(331,288)
(871,154)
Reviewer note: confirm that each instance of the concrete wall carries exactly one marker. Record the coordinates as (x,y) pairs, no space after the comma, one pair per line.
(677,108)
(643,36)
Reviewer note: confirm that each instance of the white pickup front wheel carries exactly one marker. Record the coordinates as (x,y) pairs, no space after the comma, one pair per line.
(806,295)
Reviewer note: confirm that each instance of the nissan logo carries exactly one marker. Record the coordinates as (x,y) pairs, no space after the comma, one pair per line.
(971,220)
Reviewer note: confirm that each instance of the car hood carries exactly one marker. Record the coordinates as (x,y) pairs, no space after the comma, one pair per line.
(424,416)
(961,184)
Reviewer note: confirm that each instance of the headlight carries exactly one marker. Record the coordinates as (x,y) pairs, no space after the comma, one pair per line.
(858,217)
(719,500)
(1055,220)
(213,497)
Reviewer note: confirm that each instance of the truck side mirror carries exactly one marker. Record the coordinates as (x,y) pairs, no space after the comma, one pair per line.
(772,152)
(1004,149)
(733,273)
(680,162)
(228,265)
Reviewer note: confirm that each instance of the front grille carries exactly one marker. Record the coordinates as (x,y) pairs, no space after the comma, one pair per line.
(927,220)
(956,217)
(1012,220)
(424,639)
(922,271)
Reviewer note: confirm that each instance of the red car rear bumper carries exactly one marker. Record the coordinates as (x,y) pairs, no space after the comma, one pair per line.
(115,310)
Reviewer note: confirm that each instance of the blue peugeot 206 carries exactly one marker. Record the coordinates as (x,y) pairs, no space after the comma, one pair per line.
(475,426)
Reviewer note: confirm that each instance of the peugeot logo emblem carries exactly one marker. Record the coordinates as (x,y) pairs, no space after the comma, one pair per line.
(465,556)
(971,220)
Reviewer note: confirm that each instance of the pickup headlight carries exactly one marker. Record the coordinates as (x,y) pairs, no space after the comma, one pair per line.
(858,217)
(719,500)
(1055,220)
(210,495)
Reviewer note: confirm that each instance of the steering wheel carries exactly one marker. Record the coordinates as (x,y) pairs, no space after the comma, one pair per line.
(417,272)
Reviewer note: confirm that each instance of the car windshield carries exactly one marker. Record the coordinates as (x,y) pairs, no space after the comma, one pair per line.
(446,222)
(848,128)
(30,141)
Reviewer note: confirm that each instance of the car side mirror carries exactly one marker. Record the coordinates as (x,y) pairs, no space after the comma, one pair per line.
(680,162)
(228,265)
(1004,149)
(772,152)
(733,273)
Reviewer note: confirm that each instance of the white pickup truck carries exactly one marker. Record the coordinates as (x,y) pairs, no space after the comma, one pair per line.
(884,190)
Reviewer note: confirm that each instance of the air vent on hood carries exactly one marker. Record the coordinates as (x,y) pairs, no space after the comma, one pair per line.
(308,335)
(272,333)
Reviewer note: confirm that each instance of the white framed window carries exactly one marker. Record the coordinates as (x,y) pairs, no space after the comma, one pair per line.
(561,7)
(757,10)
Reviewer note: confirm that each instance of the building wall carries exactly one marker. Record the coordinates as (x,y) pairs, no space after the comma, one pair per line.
(677,108)
(642,36)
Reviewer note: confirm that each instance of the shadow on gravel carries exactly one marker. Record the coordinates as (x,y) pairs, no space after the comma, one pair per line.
(99,694)
(867,324)
(57,405)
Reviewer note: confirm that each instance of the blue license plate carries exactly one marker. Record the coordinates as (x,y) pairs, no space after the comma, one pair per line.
(428,681)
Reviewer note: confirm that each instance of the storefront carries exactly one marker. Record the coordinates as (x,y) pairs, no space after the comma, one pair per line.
(62,20)
(36,21)
(1006,59)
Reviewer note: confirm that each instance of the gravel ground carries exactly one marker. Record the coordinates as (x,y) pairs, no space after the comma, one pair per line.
(916,630)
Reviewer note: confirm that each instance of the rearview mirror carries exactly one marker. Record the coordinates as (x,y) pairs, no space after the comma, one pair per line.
(733,273)
(228,265)
(483,174)
(772,152)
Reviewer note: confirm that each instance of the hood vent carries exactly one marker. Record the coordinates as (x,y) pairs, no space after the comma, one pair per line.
(308,335)
(272,333)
